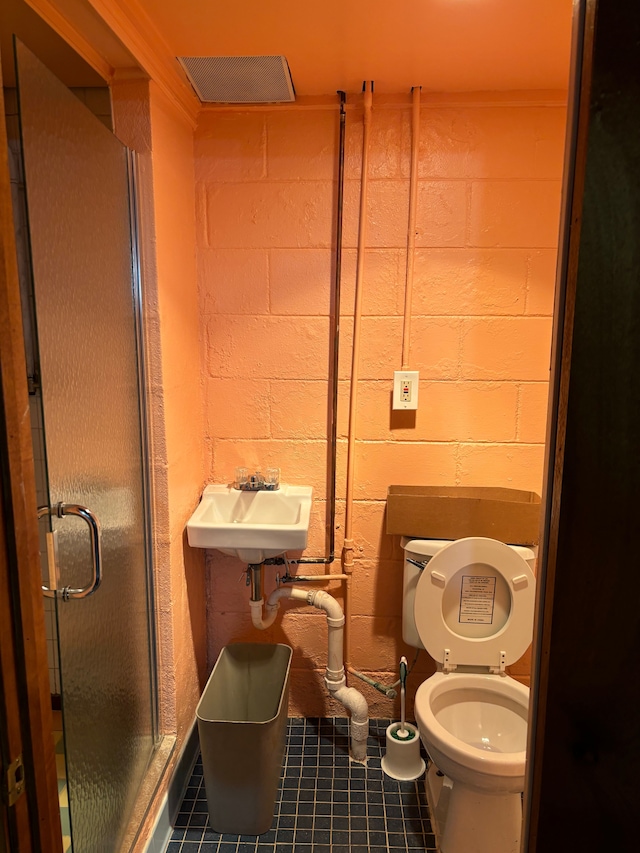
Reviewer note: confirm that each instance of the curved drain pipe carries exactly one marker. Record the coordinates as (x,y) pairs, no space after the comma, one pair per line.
(273,605)
(334,677)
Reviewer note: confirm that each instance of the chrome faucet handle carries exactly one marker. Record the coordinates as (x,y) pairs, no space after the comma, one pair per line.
(242,476)
(272,479)
(247,482)
(257,482)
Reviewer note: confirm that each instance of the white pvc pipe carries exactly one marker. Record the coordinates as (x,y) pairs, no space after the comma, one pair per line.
(334,677)
(323,601)
(273,605)
(355,702)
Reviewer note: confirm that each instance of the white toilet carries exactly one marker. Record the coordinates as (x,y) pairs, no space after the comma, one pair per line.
(470,603)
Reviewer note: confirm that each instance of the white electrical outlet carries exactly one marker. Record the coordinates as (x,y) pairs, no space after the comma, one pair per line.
(405,389)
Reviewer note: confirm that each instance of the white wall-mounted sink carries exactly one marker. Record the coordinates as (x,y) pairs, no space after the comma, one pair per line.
(252,526)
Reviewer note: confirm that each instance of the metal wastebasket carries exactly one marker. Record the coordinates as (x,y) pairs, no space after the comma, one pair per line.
(242,721)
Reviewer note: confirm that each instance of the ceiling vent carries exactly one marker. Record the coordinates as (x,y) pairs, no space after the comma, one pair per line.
(239,79)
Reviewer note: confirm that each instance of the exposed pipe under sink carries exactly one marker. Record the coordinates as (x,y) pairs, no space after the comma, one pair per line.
(334,678)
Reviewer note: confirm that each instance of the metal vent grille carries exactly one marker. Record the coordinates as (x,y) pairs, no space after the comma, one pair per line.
(239,79)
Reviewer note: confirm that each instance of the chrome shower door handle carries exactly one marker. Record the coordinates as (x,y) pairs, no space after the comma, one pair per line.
(60,510)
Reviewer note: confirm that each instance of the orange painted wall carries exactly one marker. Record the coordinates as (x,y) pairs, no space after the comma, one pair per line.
(182,599)
(487,223)
(163,141)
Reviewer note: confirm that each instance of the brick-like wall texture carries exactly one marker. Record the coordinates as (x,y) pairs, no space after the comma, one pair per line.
(487,224)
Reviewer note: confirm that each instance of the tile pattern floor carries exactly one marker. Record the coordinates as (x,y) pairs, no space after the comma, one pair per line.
(61,771)
(325,804)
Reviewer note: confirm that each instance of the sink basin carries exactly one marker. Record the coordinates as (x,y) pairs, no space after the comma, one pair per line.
(252,526)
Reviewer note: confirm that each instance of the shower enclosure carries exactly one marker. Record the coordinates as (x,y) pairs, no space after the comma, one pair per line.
(88,391)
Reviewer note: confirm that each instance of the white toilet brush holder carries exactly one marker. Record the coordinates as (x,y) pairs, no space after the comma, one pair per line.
(402,760)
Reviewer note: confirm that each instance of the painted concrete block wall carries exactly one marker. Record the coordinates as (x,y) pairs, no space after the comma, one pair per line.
(487,223)
(163,140)
(178,316)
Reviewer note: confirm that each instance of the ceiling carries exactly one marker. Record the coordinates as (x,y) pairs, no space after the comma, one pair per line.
(16,17)
(441,45)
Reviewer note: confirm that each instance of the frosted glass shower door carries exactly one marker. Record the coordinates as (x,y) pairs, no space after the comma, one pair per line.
(77,188)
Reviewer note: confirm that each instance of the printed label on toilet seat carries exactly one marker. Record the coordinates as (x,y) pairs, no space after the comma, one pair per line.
(477,599)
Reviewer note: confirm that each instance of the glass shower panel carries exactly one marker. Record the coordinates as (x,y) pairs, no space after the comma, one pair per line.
(76,175)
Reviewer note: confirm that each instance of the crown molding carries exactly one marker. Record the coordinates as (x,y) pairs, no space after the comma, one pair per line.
(402,101)
(91,26)
(55,18)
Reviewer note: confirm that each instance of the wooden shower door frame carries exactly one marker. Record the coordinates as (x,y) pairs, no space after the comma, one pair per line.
(25,711)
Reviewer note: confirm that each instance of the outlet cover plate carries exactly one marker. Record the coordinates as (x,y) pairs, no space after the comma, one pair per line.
(405,389)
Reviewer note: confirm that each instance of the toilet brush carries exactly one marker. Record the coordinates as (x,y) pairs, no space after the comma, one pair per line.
(402,760)
(402,732)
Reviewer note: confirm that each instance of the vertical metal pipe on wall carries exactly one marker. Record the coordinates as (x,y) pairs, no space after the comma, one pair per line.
(411,228)
(335,351)
(347,552)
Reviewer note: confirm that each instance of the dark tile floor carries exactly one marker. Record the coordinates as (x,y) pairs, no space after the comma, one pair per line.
(325,804)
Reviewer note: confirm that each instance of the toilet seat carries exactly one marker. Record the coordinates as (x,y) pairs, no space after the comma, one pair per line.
(474,605)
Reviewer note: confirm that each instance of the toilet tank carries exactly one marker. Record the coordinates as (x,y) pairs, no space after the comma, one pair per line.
(421,550)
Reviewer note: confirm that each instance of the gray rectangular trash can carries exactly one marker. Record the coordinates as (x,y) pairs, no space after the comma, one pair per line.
(242,722)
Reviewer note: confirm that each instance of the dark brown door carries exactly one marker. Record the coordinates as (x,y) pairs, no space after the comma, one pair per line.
(586,690)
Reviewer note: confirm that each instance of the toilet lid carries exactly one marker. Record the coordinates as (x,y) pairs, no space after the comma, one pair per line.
(474,604)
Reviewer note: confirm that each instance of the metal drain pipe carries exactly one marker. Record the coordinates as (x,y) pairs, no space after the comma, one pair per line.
(335,347)
(411,227)
(347,551)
